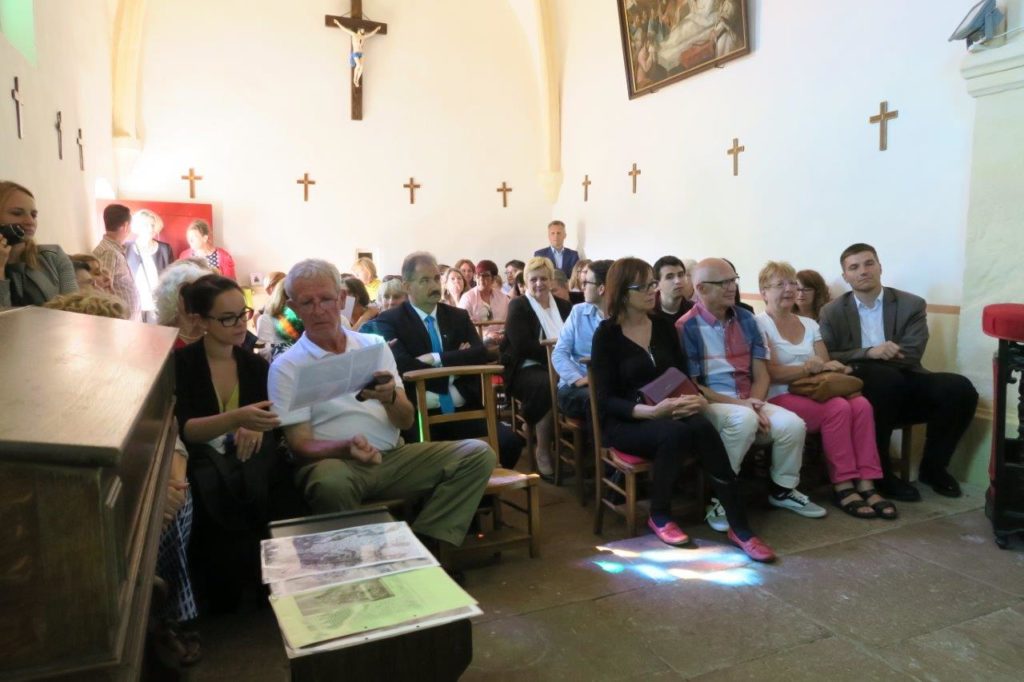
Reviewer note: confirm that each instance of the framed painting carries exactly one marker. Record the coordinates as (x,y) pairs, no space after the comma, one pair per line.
(664,41)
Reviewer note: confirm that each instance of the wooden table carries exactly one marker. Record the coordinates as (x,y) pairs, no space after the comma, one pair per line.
(442,652)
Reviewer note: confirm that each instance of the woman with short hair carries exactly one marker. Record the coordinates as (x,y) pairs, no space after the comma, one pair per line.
(200,243)
(365,271)
(531,318)
(485,304)
(147,258)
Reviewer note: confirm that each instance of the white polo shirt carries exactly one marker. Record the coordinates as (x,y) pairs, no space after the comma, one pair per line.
(340,418)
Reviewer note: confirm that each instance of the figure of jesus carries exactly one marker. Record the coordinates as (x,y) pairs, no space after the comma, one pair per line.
(355,58)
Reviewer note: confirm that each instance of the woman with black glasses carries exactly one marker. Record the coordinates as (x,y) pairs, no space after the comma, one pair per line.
(227,424)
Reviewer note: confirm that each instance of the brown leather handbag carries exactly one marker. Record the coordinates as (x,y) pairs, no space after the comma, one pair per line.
(825,385)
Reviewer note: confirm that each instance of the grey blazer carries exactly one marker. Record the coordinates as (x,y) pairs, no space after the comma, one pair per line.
(904,318)
(55,276)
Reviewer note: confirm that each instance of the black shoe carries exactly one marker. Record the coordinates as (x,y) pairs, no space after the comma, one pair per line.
(898,489)
(941,482)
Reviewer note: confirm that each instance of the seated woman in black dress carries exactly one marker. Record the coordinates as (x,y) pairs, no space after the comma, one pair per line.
(236,476)
(632,348)
(535,316)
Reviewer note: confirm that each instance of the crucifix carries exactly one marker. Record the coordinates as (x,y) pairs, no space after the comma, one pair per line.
(412,187)
(16,95)
(504,189)
(191,177)
(633,173)
(735,153)
(586,187)
(81,150)
(60,136)
(882,119)
(359,29)
(305,182)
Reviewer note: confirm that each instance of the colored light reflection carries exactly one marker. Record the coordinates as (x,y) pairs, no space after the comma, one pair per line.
(712,564)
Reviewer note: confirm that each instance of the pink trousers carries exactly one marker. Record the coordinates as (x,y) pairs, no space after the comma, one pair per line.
(847,428)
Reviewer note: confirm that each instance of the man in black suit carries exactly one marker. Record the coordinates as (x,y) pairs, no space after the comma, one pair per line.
(425,333)
(563,258)
(881,333)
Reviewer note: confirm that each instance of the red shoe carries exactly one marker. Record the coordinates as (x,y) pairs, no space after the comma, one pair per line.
(753,548)
(670,533)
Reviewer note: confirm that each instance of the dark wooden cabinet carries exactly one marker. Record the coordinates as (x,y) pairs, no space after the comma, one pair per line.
(86,437)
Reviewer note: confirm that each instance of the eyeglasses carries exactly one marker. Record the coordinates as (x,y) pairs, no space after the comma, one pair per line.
(782,285)
(804,290)
(322,304)
(731,282)
(590,282)
(650,286)
(233,320)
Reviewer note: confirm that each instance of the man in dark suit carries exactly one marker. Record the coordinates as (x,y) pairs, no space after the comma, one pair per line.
(881,333)
(425,333)
(563,258)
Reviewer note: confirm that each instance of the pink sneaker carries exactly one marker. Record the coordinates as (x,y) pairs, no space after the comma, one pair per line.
(753,548)
(670,533)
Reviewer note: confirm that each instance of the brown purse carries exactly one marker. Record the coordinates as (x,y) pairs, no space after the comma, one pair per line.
(826,385)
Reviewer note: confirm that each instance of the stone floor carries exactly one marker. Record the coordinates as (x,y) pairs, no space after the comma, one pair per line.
(927,597)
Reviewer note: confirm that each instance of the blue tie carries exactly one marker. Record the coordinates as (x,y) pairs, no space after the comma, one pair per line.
(447,406)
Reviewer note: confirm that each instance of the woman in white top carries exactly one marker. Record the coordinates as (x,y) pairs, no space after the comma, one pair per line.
(147,259)
(847,425)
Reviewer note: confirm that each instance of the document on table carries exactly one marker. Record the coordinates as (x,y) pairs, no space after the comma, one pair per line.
(283,588)
(332,551)
(341,610)
(336,376)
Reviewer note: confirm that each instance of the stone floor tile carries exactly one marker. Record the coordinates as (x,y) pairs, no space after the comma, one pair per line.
(869,591)
(834,659)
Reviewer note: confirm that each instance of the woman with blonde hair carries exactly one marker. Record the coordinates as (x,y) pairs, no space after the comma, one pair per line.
(536,316)
(30,273)
(453,284)
(200,243)
(147,257)
(278,327)
(90,303)
(846,424)
(365,270)
(101,279)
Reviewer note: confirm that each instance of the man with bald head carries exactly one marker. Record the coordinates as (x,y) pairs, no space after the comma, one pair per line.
(727,357)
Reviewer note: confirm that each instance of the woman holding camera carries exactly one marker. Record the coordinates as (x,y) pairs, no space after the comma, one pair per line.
(30,273)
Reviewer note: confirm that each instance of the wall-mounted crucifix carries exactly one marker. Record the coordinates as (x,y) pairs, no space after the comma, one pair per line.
(586,187)
(80,141)
(504,189)
(882,119)
(305,182)
(735,153)
(191,177)
(60,136)
(633,173)
(412,186)
(359,29)
(16,96)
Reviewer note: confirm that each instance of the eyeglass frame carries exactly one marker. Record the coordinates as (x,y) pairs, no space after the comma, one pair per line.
(321,304)
(732,281)
(792,284)
(644,288)
(246,313)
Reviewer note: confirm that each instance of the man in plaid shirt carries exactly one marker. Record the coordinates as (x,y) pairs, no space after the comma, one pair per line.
(110,251)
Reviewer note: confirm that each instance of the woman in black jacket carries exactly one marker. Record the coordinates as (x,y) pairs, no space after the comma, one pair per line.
(535,316)
(632,348)
(228,428)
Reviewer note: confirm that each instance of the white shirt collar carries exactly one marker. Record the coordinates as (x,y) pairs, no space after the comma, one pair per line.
(423,315)
(874,304)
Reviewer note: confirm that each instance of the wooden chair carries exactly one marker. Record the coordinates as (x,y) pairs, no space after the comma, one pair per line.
(906,450)
(500,535)
(570,439)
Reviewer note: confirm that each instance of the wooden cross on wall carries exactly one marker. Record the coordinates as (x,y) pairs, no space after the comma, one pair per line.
(354,23)
(412,186)
(504,189)
(735,154)
(305,181)
(633,173)
(191,177)
(80,141)
(586,187)
(16,96)
(60,135)
(882,119)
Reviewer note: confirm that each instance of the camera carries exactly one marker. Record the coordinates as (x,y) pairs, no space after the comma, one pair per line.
(13,234)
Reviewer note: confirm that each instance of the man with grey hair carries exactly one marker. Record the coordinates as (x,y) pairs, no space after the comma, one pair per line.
(728,359)
(349,448)
(424,333)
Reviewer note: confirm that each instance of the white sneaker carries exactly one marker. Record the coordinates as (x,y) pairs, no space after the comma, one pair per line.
(796,501)
(716,516)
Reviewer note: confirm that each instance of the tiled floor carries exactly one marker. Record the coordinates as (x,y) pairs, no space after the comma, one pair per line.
(927,597)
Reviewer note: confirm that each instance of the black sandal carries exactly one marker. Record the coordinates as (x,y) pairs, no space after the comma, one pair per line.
(853,507)
(883,508)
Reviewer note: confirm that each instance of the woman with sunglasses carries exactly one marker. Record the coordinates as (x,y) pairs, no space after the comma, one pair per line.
(225,421)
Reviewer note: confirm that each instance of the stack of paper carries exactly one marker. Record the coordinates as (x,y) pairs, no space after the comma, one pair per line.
(343,587)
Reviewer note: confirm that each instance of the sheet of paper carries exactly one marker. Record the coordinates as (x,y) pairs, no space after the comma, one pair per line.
(331,551)
(340,610)
(347,575)
(336,375)
(384,633)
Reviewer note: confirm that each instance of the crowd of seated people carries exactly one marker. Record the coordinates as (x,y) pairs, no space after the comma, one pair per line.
(247,460)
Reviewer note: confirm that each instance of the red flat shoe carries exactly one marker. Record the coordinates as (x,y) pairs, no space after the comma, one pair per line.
(670,533)
(754,548)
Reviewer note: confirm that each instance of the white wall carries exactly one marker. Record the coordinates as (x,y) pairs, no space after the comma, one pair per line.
(72,75)
(812,180)
(253,93)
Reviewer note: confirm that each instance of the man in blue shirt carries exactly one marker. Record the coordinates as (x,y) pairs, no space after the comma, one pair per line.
(575,340)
